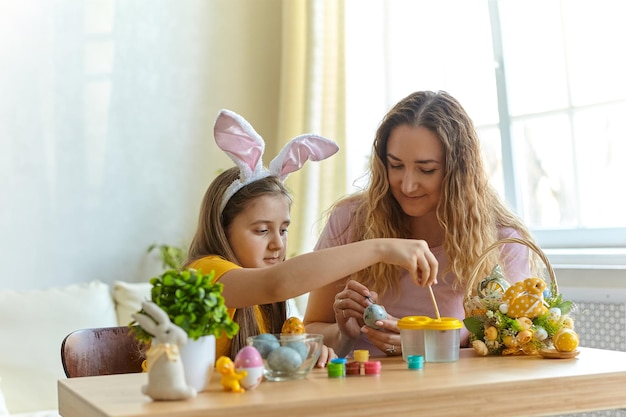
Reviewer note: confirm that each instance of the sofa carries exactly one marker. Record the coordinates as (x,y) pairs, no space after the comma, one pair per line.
(34,323)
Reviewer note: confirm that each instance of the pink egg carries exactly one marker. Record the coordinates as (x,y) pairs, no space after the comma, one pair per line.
(249,359)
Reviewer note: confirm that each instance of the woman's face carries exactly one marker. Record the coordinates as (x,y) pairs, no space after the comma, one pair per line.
(258,235)
(415,165)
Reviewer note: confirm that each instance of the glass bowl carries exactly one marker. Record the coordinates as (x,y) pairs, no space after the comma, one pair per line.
(287,356)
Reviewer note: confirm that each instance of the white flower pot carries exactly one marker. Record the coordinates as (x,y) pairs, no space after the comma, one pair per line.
(198,358)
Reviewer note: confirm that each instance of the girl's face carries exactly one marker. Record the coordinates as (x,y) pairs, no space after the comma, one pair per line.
(258,235)
(415,169)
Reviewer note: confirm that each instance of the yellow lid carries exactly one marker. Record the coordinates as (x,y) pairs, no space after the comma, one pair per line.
(361,355)
(413,322)
(445,323)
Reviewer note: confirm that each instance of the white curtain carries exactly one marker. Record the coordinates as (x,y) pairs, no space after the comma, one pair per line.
(106,117)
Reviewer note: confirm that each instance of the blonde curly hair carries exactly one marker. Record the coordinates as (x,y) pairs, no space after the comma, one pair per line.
(469,211)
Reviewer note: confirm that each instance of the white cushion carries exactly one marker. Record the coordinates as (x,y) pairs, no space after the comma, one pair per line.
(128,297)
(34,323)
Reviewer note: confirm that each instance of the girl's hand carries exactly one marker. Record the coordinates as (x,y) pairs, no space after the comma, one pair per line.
(326,356)
(349,305)
(387,338)
(414,256)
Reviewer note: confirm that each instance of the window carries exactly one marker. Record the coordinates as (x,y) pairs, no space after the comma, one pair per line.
(544,84)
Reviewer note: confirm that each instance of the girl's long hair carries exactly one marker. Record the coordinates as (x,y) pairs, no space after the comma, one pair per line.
(211,239)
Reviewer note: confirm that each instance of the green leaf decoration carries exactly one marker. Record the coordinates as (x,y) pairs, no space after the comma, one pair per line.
(565,306)
(193,302)
(473,325)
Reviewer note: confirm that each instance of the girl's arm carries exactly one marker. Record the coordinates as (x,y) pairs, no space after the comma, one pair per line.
(251,286)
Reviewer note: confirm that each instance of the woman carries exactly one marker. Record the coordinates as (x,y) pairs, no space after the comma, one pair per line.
(427,182)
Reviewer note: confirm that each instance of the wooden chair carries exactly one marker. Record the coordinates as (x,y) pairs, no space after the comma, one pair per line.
(101,351)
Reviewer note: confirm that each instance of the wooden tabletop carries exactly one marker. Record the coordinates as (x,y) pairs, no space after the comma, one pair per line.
(472,386)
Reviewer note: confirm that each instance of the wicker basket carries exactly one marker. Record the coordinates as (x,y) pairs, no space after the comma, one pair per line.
(519,318)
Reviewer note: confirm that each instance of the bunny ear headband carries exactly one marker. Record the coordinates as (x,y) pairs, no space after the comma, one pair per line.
(235,136)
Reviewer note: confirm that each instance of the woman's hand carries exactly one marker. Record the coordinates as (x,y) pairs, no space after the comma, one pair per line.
(349,305)
(326,356)
(387,338)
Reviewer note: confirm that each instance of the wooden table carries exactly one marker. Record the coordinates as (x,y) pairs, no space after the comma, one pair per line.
(473,386)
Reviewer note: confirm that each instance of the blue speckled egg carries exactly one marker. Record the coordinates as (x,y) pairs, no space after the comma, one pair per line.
(265,344)
(284,359)
(372,314)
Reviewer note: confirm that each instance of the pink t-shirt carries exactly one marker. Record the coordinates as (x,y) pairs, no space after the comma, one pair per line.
(410,300)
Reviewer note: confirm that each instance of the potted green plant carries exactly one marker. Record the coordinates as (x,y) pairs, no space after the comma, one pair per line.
(172,257)
(194,303)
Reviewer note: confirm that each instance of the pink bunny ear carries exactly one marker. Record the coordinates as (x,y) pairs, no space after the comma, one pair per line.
(235,136)
(299,150)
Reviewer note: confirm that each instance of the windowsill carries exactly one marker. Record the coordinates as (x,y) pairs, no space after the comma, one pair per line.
(587,258)
(593,268)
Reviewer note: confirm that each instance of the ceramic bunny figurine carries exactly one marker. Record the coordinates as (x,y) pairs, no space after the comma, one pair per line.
(166,376)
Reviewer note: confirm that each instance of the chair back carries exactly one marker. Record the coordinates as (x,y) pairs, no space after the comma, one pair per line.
(101,351)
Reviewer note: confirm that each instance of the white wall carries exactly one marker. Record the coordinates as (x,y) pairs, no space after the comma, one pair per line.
(106,118)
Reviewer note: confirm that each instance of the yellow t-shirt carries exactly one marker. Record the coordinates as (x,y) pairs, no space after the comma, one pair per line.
(221,266)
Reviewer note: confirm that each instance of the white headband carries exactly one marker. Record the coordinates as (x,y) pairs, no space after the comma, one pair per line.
(235,136)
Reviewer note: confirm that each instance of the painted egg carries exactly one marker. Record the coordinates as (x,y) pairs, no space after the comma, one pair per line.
(249,359)
(372,314)
(541,333)
(493,284)
(293,325)
(299,347)
(554,314)
(265,343)
(565,340)
(284,359)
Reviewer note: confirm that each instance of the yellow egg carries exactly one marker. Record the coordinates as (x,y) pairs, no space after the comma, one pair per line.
(293,325)
(565,340)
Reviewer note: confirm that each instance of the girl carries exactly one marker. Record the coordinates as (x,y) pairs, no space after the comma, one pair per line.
(242,236)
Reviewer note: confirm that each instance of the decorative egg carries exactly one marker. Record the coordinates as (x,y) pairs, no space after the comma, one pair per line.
(265,343)
(299,347)
(547,294)
(284,359)
(568,322)
(554,314)
(249,359)
(494,283)
(372,314)
(565,340)
(293,325)
(541,333)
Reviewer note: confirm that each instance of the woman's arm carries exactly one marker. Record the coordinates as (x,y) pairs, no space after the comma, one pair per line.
(251,286)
